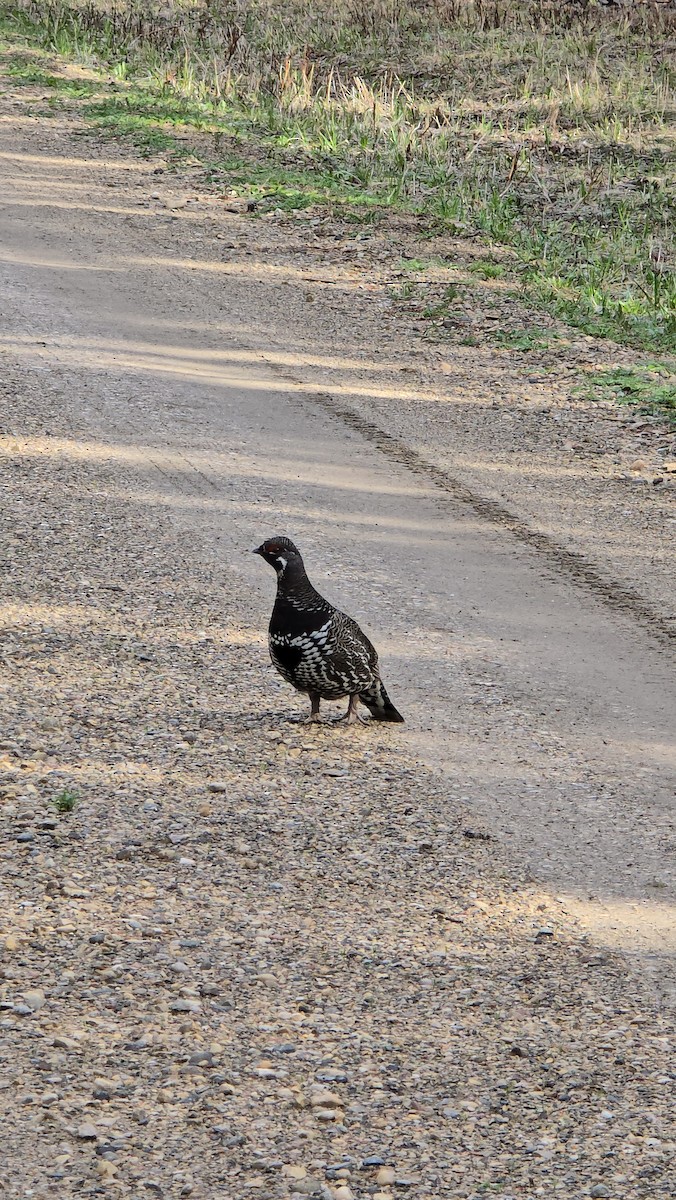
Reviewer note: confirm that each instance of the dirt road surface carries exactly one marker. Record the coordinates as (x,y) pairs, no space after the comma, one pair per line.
(256,955)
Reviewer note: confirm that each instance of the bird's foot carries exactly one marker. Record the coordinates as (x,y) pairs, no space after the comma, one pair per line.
(352,716)
(314,717)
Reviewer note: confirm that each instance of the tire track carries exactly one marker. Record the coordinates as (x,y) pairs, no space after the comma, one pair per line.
(612,593)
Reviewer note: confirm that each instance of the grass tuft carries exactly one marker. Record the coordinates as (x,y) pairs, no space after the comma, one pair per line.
(65,801)
(652,388)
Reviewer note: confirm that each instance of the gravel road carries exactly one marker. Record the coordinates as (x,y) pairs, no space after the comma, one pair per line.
(270,960)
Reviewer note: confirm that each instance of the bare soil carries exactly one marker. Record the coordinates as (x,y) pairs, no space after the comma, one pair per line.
(257,956)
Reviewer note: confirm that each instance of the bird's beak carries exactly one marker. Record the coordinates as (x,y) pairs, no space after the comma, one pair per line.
(258,550)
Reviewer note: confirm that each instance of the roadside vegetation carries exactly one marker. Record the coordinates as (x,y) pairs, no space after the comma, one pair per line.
(544,133)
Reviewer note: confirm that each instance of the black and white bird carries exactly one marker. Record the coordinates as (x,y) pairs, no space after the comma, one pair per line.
(317,648)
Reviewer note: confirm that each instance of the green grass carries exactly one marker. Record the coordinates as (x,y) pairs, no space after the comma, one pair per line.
(652,388)
(29,74)
(65,801)
(542,133)
(487,270)
(521,339)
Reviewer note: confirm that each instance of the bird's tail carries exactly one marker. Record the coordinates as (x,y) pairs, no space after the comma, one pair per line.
(379,704)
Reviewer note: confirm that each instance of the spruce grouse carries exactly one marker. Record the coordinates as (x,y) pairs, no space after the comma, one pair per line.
(317,648)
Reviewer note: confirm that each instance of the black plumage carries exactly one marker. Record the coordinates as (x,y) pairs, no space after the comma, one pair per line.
(318,648)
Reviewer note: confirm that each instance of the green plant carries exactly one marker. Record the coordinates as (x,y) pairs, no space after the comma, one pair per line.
(487,270)
(65,801)
(520,339)
(652,387)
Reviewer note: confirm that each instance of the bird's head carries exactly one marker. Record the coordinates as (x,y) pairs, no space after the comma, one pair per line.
(281,553)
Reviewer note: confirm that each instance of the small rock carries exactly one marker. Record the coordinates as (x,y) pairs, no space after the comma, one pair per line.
(386,1175)
(219,789)
(306,1187)
(201,1058)
(26,836)
(327,1114)
(192,1006)
(291,1171)
(599,1190)
(326,1100)
(106,1169)
(87,1132)
(35,999)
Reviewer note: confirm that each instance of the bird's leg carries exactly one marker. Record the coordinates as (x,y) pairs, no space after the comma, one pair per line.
(314,709)
(352,716)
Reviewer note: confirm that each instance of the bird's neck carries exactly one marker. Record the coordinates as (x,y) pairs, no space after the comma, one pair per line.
(292,577)
(294,590)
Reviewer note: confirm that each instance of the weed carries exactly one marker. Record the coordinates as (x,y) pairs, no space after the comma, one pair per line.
(651,387)
(413,264)
(65,801)
(487,270)
(520,339)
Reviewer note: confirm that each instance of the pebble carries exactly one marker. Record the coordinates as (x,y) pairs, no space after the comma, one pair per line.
(201,1058)
(307,1186)
(292,1171)
(219,789)
(326,1100)
(35,999)
(599,1190)
(192,1006)
(87,1132)
(386,1175)
(26,836)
